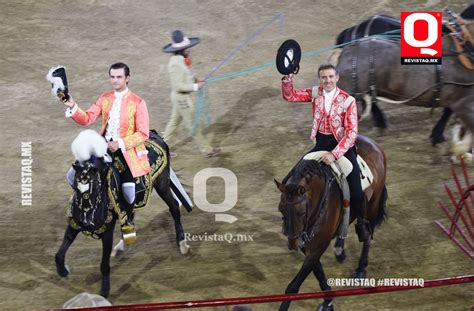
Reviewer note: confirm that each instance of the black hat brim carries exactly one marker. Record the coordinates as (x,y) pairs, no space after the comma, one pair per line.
(288,57)
(170,49)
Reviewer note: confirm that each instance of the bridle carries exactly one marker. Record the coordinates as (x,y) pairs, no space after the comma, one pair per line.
(308,230)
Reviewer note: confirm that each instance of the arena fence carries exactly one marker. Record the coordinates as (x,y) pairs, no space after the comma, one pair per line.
(460,214)
(279,298)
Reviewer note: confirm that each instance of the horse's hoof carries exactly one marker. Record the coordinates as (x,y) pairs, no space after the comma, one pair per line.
(359,274)
(118,249)
(63,272)
(341,257)
(323,307)
(184,247)
(437,140)
(62,269)
(105,288)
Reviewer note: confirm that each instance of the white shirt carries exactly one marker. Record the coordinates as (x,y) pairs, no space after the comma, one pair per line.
(112,131)
(113,124)
(328,98)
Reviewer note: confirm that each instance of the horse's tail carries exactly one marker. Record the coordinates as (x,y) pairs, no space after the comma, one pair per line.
(381,212)
(333,59)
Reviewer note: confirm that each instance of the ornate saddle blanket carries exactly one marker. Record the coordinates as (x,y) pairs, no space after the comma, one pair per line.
(93,221)
(87,211)
(143,184)
(344,166)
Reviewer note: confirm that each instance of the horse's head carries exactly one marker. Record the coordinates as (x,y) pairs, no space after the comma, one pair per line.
(303,192)
(294,208)
(89,190)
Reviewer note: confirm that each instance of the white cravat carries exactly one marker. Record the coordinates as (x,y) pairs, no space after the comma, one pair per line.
(328,98)
(113,125)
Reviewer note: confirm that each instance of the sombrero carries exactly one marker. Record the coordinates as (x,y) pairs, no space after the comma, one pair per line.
(288,57)
(180,42)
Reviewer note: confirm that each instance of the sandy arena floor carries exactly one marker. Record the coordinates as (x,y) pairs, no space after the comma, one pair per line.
(262,137)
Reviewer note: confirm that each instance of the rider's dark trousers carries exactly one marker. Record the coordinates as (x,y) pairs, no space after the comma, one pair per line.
(328,143)
(125,176)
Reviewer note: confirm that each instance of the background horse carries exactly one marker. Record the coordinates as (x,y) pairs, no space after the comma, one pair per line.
(389,28)
(92,210)
(311,204)
(378,24)
(378,64)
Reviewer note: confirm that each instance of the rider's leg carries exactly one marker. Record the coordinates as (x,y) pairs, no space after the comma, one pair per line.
(358,200)
(128,189)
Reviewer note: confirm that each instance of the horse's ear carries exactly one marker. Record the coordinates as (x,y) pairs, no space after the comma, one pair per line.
(279,185)
(75,165)
(301,190)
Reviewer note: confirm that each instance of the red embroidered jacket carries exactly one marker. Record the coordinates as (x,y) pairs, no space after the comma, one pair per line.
(342,115)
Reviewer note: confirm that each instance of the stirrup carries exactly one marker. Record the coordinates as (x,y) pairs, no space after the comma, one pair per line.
(129,234)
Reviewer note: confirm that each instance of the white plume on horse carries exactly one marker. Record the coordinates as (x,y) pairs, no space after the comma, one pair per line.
(88,143)
(57,82)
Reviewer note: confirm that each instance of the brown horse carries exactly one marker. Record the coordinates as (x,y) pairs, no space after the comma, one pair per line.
(311,204)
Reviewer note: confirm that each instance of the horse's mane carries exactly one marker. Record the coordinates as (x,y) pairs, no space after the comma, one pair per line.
(305,169)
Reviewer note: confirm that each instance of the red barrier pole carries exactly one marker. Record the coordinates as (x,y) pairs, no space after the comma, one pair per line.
(454,224)
(458,211)
(278,298)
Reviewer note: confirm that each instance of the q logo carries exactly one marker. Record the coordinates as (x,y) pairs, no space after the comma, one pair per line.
(421,40)
(230,192)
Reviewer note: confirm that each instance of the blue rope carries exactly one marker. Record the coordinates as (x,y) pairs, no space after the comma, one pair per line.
(201,102)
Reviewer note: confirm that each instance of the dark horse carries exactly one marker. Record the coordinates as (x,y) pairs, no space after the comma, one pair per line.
(93,209)
(378,68)
(375,25)
(389,28)
(311,204)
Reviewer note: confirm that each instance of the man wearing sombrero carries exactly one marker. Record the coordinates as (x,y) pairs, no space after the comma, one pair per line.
(183,83)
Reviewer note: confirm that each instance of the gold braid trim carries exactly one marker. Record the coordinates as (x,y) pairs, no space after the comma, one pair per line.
(156,169)
(114,198)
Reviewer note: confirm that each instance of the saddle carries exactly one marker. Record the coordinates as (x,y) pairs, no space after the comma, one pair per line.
(343,167)
(143,184)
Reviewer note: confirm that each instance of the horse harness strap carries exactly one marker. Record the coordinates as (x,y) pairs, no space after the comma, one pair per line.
(304,235)
(373,92)
(372,81)
(438,87)
(322,203)
(355,90)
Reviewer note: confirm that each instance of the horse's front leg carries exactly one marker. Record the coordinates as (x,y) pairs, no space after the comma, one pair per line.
(339,251)
(107,242)
(323,284)
(363,261)
(436,136)
(294,286)
(69,237)
(378,116)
